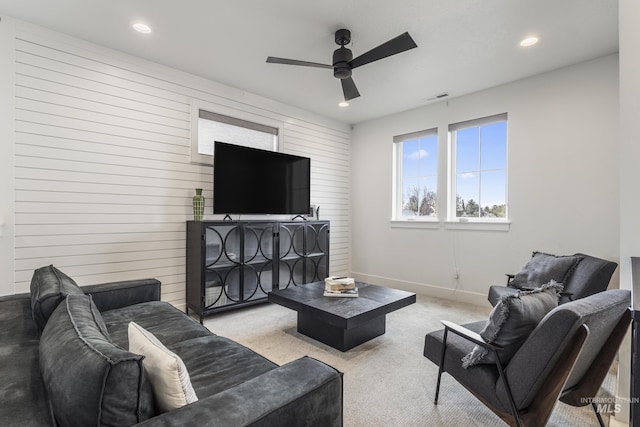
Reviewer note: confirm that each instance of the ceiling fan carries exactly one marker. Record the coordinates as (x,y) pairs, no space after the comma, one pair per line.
(343,61)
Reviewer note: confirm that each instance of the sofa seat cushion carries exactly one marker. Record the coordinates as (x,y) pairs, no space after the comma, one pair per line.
(480,379)
(49,286)
(22,394)
(496,292)
(216,363)
(89,380)
(163,320)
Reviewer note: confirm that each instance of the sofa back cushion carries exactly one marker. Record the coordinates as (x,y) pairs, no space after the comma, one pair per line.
(49,286)
(592,275)
(542,268)
(90,380)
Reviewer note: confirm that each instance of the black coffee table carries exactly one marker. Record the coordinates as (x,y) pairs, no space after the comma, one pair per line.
(342,323)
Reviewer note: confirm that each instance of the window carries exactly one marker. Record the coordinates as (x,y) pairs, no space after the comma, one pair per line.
(478,166)
(217,127)
(416,191)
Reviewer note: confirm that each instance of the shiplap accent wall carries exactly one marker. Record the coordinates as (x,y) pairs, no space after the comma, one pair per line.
(103,178)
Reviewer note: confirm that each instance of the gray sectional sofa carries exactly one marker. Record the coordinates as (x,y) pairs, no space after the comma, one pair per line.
(64,361)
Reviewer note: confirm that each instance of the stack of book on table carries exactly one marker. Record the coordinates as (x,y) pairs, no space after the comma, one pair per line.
(341,287)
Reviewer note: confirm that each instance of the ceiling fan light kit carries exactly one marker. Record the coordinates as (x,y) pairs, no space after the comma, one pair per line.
(344,63)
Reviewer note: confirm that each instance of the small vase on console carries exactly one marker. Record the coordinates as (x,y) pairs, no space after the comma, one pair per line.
(198,205)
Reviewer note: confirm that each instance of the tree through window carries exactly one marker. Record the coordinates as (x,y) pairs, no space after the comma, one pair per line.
(479,168)
(417,174)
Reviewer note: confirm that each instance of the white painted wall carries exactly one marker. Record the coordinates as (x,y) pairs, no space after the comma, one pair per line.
(563,184)
(629,141)
(629,11)
(7,83)
(103,179)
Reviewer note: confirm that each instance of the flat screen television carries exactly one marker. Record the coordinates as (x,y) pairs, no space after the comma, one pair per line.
(252,181)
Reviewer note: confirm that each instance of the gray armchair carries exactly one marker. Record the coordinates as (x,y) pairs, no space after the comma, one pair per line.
(590,276)
(566,357)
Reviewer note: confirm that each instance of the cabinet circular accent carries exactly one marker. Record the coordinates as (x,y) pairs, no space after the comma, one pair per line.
(266,243)
(297,270)
(311,240)
(251,244)
(231,247)
(285,275)
(251,283)
(285,241)
(214,289)
(214,242)
(323,238)
(231,281)
(297,241)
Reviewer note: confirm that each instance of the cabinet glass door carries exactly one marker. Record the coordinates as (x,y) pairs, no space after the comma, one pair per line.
(222,265)
(258,243)
(215,294)
(285,274)
(258,260)
(317,236)
(257,281)
(303,253)
(222,246)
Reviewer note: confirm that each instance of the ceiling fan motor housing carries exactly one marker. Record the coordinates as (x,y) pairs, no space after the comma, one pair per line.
(343,61)
(341,58)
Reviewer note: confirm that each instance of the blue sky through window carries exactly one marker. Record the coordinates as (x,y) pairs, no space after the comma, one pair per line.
(481,162)
(419,169)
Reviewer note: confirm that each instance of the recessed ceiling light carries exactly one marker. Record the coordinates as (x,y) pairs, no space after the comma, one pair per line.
(343,104)
(529,41)
(141,28)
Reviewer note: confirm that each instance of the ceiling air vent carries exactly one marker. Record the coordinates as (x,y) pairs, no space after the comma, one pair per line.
(438,96)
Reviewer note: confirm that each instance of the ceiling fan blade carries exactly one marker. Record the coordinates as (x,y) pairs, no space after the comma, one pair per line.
(274,60)
(349,89)
(396,45)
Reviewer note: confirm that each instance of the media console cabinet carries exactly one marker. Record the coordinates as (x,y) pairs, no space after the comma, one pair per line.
(231,264)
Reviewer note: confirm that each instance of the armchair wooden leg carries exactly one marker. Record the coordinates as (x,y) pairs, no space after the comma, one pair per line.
(595,409)
(441,367)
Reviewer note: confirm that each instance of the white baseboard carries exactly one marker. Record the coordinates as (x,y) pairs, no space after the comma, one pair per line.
(424,289)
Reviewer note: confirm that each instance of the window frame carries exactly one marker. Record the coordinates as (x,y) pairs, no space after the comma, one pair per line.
(397,193)
(231,116)
(452,219)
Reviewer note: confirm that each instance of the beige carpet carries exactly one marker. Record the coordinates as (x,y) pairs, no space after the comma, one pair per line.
(387,381)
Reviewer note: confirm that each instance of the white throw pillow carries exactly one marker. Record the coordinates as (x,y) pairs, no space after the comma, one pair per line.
(166,371)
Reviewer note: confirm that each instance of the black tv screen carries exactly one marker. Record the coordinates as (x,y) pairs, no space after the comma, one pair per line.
(252,181)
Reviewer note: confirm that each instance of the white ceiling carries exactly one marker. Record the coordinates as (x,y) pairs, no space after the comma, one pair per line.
(463,45)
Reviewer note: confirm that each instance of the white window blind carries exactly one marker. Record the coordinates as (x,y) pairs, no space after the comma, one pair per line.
(218,127)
